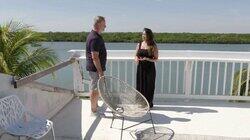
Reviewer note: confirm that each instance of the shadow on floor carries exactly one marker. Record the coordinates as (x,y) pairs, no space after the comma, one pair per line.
(157,118)
(187,110)
(202,102)
(94,125)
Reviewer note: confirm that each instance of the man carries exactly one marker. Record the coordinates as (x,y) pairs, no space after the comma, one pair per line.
(96,57)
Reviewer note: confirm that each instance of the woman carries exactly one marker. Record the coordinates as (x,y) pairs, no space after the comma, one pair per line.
(146,55)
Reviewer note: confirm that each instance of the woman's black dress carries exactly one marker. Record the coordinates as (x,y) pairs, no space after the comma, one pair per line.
(145,77)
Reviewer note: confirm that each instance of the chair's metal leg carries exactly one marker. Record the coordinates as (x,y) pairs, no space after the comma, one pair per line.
(122,128)
(152,121)
(53,132)
(2,135)
(19,137)
(113,117)
(24,138)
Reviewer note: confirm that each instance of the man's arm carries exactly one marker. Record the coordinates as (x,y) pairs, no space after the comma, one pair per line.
(97,63)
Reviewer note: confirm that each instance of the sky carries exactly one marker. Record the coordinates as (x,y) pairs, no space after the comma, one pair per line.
(196,16)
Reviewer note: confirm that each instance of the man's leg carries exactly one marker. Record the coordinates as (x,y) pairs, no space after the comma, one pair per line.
(94,95)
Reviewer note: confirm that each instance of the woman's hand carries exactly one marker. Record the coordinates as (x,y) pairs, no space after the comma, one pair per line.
(142,59)
(136,60)
(149,59)
(145,58)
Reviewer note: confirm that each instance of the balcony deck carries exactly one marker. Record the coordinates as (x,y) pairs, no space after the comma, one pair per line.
(180,119)
(184,87)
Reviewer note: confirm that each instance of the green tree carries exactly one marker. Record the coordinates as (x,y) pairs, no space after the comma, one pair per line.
(243,83)
(20,51)
(205,38)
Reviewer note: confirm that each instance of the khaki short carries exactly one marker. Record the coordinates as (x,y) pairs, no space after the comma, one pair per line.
(94,77)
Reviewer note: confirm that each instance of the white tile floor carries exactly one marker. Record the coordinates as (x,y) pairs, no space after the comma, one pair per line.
(195,119)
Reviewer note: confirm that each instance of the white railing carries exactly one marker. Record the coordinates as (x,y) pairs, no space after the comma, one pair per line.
(186,74)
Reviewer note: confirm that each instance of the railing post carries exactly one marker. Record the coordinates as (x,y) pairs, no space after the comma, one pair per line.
(77,77)
(188,77)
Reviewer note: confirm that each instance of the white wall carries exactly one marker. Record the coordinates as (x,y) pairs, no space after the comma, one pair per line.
(41,102)
(38,101)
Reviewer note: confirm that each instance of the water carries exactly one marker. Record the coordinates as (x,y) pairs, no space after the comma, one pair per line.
(62,47)
(64,76)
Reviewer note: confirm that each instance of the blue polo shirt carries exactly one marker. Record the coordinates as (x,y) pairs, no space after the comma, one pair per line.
(95,43)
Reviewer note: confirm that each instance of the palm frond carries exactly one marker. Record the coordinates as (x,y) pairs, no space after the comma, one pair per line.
(3,65)
(18,55)
(242,82)
(39,59)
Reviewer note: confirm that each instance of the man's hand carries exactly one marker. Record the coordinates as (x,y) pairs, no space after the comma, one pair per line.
(101,74)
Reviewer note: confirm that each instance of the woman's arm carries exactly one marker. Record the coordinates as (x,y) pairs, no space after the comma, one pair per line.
(136,50)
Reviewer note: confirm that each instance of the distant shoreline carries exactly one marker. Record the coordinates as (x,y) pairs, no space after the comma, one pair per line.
(156,42)
(134,37)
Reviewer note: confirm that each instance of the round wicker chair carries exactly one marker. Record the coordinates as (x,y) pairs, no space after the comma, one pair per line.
(123,100)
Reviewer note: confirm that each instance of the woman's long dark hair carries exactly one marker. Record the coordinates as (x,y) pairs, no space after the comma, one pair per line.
(149,37)
(150,40)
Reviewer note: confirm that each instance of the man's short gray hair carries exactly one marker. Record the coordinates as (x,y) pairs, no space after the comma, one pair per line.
(98,19)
